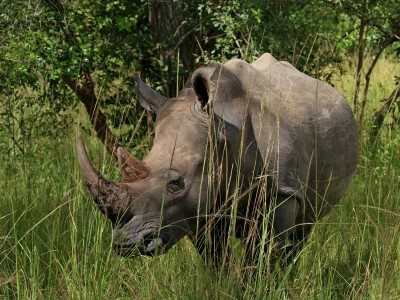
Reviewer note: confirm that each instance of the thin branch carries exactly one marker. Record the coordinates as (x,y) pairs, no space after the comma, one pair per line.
(380,115)
(85,88)
(386,44)
(85,92)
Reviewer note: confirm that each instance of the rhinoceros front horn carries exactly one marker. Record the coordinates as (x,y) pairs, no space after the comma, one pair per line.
(106,193)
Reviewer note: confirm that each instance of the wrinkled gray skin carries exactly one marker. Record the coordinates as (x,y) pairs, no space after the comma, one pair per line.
(286,141)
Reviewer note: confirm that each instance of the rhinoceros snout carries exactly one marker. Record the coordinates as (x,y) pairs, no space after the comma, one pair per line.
(149,246)
(139,237)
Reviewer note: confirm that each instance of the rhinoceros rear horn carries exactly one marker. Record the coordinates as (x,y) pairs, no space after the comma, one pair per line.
(131,168)
(105,193)
(149,99)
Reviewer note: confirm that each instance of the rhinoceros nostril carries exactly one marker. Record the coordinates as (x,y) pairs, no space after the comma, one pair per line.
(148,238)
(152,242)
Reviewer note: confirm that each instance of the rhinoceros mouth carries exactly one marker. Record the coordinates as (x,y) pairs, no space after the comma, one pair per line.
(141,235)
(151,244)
(149,248)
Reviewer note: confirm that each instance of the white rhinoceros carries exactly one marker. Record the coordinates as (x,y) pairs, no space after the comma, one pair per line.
(244,149)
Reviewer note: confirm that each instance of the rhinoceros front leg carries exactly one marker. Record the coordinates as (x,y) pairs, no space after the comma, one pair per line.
(284,216)
(289,237)
(284,234)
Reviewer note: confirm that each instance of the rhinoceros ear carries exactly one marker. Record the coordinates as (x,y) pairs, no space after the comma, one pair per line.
(149,99)
(204,85)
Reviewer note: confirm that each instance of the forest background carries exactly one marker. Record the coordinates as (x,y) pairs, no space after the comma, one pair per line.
(68,67)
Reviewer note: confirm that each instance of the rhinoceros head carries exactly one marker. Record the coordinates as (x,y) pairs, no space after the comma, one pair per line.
(162,198)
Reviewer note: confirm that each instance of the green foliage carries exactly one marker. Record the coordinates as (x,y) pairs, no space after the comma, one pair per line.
(27,118)
(44,41)
(58,39)
(301,32)
(231,24)
(31,104)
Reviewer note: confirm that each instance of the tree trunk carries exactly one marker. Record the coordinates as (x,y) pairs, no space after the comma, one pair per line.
(389,41)
(174,27)
(366,87)
(381,114)
(85,92)
(177,43)
(360,63)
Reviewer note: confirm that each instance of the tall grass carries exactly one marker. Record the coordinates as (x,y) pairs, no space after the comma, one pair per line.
(54,244)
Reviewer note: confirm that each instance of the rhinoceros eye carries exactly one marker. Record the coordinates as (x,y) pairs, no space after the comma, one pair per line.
(176,185)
